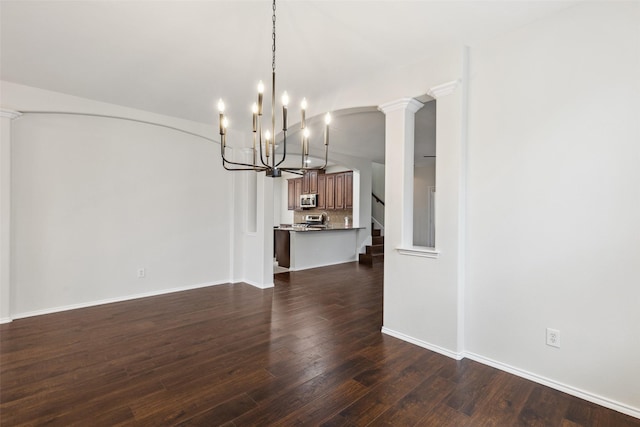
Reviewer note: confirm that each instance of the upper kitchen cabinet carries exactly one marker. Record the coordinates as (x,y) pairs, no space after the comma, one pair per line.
(297,193)
(348,190)
(291,194)
(295,188)
(334,190)
(330,191)
(310,182)
(322,192)
(339,191)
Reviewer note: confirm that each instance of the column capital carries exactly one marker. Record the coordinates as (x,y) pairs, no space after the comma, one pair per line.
(11,114)
(409,104)
(443,89)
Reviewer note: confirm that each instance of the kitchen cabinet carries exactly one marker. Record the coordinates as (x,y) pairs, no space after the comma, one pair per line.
(310,182)
(291,194)
(334,190)
(313,176)
(307,184)
(339,192)
(348,190)
(297,193)
(282,244)
(330,191)
(294,190)
(322,192)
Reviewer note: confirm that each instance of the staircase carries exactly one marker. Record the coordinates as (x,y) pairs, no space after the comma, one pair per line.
(375,252)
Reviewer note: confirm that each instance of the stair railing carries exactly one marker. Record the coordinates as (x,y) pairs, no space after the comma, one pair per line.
(378,199)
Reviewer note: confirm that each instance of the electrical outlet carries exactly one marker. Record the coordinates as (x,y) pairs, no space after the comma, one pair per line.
(141,273)
(553,337)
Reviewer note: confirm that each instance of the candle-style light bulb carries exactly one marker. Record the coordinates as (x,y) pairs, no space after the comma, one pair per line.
(221,110)
(303,107)
(223,132)
(305,139)
(267,137)
(260,92)
(327,120)
(254,110)
(285,99)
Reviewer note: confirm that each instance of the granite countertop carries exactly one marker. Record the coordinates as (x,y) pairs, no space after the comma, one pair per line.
(291,227)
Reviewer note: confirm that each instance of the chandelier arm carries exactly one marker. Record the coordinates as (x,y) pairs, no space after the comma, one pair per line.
(295,171)
(246,166)
(260,142)
(326,156)
(254,150)
(273,104)
(241,169)
(225,161)
(284,148)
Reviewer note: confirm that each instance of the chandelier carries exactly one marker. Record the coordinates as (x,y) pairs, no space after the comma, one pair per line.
(264,146)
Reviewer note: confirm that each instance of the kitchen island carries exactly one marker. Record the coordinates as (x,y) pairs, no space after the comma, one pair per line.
(310,247)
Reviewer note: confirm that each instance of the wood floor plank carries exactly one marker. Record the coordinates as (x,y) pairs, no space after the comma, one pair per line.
(388,390)
(544,407)
(412,407)
(474,382)
(307,352)
(508,396)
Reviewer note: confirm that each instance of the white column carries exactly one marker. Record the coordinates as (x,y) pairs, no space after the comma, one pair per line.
(5,213)
(399,148)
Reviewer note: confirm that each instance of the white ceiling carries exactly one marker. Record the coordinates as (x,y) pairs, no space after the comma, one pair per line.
(178,57)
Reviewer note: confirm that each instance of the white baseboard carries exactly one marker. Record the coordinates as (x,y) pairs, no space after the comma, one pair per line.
(308,267)
(594,398)
(573,391)
(423,344)
(256,284)
(5,320)
(112,300)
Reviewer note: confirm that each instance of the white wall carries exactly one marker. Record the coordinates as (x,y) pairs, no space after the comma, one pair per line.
(554,199)
(94,199)
(6,116)
(421,294)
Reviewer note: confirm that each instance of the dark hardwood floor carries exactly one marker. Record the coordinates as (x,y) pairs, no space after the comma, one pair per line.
(308,352)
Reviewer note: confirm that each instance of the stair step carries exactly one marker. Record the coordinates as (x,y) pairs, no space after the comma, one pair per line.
(375,232)
(370,259)
(377,240)
(375,249)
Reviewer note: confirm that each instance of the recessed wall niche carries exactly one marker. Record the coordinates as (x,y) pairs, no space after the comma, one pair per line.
(424,176)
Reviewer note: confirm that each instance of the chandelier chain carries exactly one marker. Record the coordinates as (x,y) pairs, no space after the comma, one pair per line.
(273,37)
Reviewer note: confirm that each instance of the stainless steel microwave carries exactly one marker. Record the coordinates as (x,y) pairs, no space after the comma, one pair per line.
(308,200)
